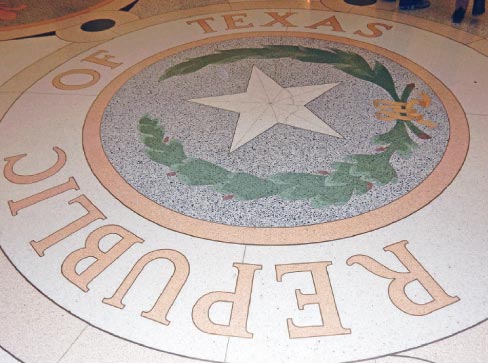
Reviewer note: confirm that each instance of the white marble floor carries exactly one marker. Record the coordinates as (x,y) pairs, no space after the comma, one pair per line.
(242,181)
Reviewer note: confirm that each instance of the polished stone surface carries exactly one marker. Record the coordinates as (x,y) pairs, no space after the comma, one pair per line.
(124,242)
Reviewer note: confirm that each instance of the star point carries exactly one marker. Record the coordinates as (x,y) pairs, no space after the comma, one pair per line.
(265,104)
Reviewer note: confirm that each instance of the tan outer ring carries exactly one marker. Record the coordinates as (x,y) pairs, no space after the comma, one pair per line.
(422,195)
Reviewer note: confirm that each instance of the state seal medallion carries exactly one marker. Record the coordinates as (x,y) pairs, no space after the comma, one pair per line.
(275,138)
(261,185)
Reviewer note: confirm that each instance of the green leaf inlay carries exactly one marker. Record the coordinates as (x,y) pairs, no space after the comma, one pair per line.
(354,176)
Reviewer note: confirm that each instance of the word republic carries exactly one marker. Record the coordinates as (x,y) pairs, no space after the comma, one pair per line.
(240,298)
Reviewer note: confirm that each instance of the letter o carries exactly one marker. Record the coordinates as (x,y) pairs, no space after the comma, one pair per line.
(57,81)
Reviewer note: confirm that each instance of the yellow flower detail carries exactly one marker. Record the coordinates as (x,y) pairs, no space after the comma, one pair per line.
(390,110)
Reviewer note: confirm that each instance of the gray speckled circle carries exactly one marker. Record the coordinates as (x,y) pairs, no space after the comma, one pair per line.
(207,133)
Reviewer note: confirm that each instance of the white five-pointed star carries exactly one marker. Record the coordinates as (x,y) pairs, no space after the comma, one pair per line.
(266,104)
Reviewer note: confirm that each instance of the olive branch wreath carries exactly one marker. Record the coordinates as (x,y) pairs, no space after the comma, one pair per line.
(356,175)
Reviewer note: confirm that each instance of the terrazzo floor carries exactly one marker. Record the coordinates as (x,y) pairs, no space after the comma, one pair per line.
(242,181)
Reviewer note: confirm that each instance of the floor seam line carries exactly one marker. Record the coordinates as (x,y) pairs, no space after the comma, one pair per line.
(73,343)
(244,254)
(412,357)
(228,340)
(226,349)
(476,114)
(58,94)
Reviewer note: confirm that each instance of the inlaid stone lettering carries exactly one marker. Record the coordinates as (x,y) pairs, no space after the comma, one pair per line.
(240,300)
(399,280)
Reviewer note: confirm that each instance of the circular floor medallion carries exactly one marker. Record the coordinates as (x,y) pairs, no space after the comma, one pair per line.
(339,165)
(24,18)
(334,157)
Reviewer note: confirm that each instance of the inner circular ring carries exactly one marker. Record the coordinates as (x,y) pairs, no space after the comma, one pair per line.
(420,196)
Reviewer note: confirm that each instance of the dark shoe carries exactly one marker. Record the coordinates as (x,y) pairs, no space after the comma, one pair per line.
(422,4)
(458,15)
(478,7)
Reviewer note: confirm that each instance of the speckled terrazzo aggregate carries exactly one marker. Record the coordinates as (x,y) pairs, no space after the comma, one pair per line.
(207,133)
(148,8)
(29,11)
(147,258)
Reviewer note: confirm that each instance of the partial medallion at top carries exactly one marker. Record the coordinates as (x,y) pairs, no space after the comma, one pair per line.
(276,140)
(28,12)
